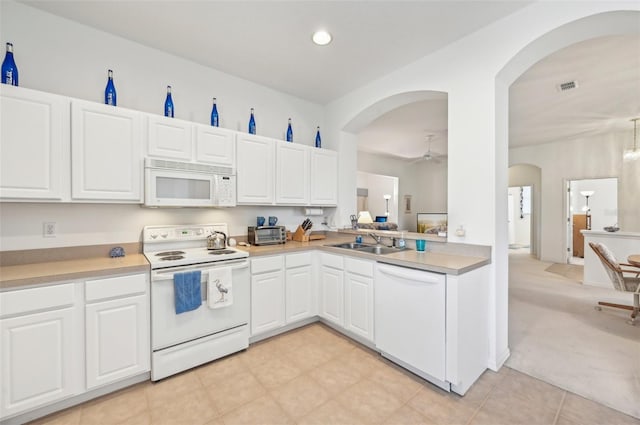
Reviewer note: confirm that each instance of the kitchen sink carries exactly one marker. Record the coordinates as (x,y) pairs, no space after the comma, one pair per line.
(352,245)
(372,249)
(379,249)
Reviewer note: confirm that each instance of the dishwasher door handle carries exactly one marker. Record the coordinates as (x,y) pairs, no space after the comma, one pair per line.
(415,276)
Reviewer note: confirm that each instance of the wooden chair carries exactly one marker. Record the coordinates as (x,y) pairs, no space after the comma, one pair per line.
(618,279)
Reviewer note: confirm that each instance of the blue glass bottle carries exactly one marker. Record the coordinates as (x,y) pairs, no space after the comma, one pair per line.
(214,115)
(289,132)
(110,91)
(318,140)
(9,67)
(168,104)
(252,123)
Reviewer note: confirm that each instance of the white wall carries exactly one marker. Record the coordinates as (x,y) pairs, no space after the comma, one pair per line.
(588,158)
(476,72)
(425,181)
(60,56)
(379,186)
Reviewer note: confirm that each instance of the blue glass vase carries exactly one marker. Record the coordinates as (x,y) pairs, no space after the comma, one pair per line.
(289,132)
(168,104)
(318,140)
(110,91)
(9,67)
(252,123)
(214,115)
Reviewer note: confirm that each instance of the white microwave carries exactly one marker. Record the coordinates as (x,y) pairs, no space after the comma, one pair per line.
(185,184)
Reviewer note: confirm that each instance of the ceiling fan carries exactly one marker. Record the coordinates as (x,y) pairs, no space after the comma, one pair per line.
(429,155)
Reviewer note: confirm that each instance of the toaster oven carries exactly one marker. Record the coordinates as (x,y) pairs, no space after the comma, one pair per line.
(267,235)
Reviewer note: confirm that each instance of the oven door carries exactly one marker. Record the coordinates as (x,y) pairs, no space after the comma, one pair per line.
(169,328)
(172,188)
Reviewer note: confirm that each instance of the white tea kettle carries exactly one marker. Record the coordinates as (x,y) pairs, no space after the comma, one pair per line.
(217,240)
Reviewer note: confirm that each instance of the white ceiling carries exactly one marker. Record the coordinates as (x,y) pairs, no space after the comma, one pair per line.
(268,42)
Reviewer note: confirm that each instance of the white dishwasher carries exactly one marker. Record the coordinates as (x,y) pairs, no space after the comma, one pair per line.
(410,320)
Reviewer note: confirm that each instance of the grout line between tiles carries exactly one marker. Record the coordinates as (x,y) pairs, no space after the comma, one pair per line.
(555,420)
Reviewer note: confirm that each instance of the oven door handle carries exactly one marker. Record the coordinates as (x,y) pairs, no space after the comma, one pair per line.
(167,274)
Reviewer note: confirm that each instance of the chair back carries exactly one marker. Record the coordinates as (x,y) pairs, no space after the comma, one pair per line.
(610,264)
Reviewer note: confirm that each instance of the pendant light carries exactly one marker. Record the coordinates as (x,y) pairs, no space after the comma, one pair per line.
(634,154)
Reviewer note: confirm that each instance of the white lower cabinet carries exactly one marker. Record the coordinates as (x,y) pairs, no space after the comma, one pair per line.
(117,329)
(332,288)
(56,345)
(41,347)
(358,286)
(267,294)
(300,288)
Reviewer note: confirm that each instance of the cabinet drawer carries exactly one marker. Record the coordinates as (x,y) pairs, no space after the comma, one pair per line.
(42,298)
(361,267)
(112,287)
(268,264)
(298,260)
(330,260)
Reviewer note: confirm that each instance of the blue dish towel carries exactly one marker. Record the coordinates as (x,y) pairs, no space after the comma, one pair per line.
(186,291)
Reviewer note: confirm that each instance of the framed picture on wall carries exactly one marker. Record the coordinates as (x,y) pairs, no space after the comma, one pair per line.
(433,223)
(407,204)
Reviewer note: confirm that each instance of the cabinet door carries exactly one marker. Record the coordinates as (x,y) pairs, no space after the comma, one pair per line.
(332,295)
(34,141)
(215,145)
(299,297)
(267,302)
(256,169)
(292,174)
(106,153)
(359,305)
(39,360)
(168,138)
(324,177)
(117,339)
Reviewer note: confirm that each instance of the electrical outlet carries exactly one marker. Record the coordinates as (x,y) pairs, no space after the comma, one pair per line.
(49,229)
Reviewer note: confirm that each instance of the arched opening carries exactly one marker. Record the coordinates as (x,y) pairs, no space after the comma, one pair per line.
(402,138)
(576,301)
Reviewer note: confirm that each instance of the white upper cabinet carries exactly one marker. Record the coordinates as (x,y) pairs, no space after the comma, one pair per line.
(324,177)
(256,169)
(215,145)
(106,153)
(292,174)
(169,137)
(34,145)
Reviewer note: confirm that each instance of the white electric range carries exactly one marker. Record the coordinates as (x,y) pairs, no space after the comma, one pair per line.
(185,340)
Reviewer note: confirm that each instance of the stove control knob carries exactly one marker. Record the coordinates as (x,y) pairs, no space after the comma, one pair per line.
(199,232)
(153,235)
(164,235)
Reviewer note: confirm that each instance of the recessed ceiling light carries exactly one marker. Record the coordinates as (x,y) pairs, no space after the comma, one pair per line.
(321,38)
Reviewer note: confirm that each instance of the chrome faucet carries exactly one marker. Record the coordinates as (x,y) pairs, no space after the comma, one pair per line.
(377,238)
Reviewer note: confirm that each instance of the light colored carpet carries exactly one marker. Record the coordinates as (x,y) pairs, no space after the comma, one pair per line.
(556,335)
(573,272)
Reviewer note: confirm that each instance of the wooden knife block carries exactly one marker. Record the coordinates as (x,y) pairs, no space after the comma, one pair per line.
(300,236)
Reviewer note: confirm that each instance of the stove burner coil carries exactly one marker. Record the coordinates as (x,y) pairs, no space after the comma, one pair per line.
(172,257)
(164,254)
(221,251)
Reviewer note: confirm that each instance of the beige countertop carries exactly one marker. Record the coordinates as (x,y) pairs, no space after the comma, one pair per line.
(24,275)
(439,262)
(48,271)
